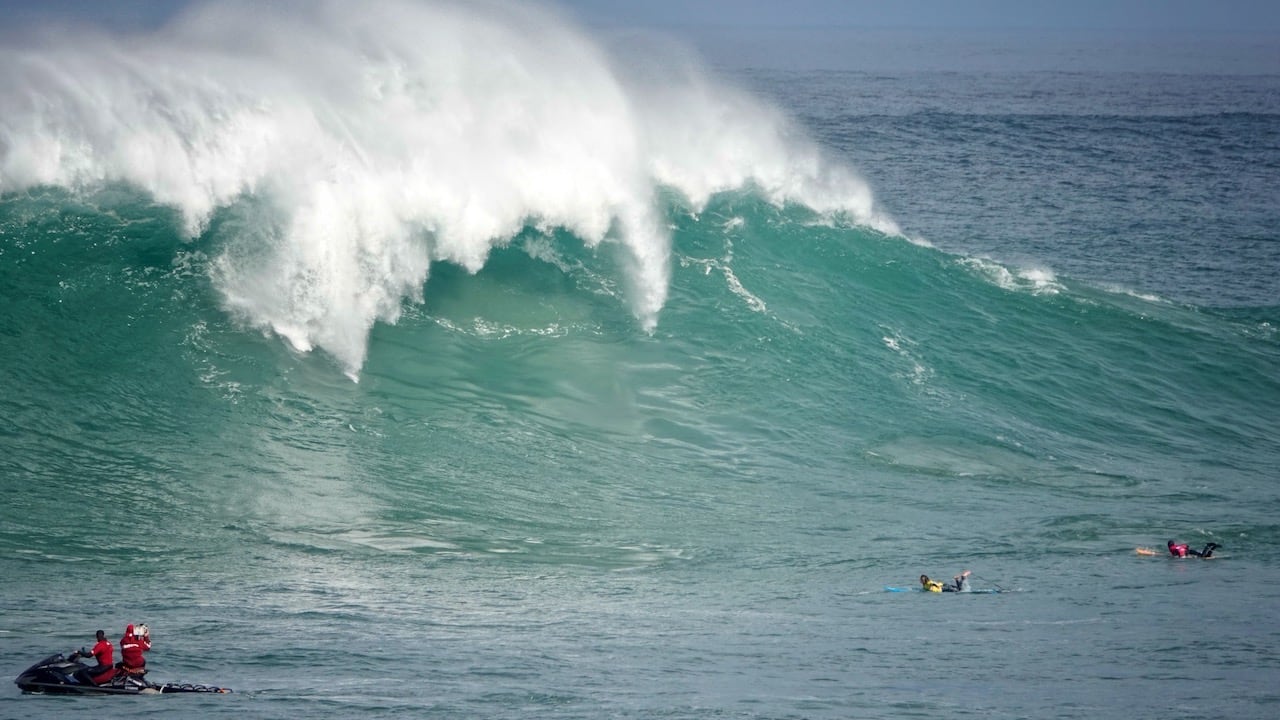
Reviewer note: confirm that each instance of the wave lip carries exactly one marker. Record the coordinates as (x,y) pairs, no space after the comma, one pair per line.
(356,146)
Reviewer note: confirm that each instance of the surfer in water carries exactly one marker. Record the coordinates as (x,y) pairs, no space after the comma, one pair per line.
(1183,550)
(957,584)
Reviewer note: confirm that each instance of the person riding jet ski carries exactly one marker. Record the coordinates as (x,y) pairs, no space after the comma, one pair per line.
(104,654)
(132,645)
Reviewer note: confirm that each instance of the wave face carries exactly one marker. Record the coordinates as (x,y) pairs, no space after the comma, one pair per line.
(790,348)
(356,146)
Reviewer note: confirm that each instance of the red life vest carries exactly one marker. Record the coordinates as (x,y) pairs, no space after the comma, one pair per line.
(104,653)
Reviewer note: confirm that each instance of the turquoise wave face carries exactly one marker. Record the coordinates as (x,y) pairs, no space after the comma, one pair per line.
(796,359)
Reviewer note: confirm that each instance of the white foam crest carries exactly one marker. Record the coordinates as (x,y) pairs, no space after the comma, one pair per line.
(1037,281)
(706,137)
(371,139)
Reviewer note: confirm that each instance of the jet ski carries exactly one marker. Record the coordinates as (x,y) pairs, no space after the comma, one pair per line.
(67,675)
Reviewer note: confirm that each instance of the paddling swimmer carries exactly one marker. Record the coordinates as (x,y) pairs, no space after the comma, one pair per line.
(1183,550)
(958,583)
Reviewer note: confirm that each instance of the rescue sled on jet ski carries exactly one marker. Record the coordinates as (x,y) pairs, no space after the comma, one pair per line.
(67,675)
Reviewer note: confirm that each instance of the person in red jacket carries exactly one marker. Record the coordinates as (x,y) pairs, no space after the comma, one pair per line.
(132,645)
(104,654)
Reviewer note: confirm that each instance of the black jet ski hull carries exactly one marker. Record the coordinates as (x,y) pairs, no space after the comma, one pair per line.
(60,675)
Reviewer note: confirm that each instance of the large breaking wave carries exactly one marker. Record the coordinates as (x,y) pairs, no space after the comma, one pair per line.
(359,143)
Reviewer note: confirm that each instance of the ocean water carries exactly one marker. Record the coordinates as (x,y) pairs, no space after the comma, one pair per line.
(450,361)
